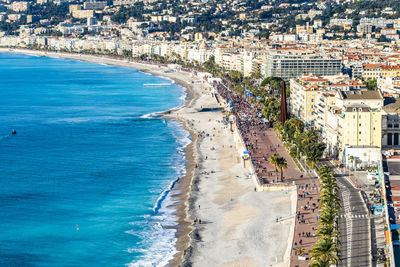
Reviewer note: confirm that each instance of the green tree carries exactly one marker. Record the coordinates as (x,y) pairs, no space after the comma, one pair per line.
(271,111)
(282,165)
(273,159)
(371,84)
(326,231)
(324,252)
(236,76)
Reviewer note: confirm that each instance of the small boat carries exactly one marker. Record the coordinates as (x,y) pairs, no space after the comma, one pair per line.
(13,132)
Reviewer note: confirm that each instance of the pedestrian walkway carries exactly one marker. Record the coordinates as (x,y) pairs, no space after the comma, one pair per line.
(307,202)
(261,143)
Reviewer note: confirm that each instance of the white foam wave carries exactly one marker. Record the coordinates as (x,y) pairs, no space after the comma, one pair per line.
(4,136)
(163,195)
(145,73)
(161,238)
(88,119)
(182,98)
(151,115)
(180,134)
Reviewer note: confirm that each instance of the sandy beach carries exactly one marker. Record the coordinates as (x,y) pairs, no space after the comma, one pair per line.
(239,225)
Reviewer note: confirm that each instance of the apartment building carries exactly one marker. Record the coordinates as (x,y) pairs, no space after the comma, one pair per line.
(359,124)
(391,125)
(83,14)
(350,121)
(303,94)
(375,71)
(20,6)
(289,66)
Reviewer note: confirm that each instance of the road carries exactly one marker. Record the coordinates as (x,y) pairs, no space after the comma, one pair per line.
(354,227)
(393,167)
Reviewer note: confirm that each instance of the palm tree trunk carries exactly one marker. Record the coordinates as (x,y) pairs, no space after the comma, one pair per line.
(281,174)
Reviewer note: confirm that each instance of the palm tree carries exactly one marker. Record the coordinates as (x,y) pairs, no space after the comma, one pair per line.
(327,218)
(324,170)
(317,263)
(278,127)
(273,159)
(326,231)
(324,252)
(314,152)
(282,164)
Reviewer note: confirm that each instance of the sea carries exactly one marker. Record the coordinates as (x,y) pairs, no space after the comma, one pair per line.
(85,181)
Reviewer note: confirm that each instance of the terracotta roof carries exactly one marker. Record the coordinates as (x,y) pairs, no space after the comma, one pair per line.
(371,66)
(390,67)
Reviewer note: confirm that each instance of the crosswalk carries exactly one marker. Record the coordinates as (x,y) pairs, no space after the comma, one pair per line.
(355,216)
(355,226)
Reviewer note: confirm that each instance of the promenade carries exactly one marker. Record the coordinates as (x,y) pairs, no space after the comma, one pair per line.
(262,142)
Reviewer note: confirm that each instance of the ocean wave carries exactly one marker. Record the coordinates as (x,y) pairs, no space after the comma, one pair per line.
(163,195)
(145,73)
(151,115)
(182,98)
(160,237)
(180,134)
(160,240)
(73,120)
(5,136)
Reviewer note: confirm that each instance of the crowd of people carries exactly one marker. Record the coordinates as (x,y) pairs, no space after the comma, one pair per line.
(253,128)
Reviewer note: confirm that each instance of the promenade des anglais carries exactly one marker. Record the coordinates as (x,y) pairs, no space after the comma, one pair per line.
(200,133)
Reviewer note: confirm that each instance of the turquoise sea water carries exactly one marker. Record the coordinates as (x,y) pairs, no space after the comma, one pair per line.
(84,181)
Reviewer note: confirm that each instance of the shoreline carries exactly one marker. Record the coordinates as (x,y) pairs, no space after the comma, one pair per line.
(219,191)
(181,189)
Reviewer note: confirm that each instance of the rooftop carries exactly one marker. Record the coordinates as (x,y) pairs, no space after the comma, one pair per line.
(393,107)
(359,95)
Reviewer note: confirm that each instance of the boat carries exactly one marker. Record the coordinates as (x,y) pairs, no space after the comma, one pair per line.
(13,132)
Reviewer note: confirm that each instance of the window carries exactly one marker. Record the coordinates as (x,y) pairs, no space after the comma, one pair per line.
(359,124)
(396,139)
(390,125)
(389,139)
(359,132)
(396,126)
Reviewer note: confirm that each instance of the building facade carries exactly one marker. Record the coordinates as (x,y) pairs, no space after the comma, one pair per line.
(292,66)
